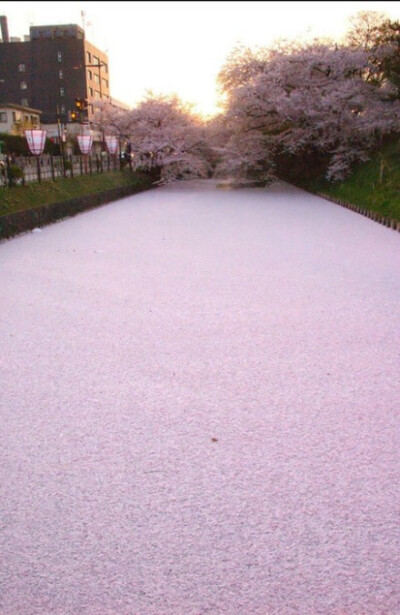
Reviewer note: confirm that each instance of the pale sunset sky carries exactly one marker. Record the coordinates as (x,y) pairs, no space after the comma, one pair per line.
(179,47)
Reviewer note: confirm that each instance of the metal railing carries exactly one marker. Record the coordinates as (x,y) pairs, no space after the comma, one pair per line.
(48,167)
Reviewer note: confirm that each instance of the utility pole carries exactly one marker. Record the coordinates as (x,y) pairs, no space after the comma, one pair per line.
(60,139)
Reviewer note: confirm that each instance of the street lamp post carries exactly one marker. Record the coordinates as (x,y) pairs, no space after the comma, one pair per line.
(112,145)
(36,140)
(85,145)
(99,65)
(61,137)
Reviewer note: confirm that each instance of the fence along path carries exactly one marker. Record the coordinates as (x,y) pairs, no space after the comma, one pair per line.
(53,167)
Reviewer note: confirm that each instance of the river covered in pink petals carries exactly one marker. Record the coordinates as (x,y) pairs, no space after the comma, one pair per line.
(200,408)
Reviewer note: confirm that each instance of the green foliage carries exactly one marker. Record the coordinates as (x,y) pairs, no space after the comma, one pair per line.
(14,173)
(374,185)
(51,148)
(390,64)
(307,167)
(14,144)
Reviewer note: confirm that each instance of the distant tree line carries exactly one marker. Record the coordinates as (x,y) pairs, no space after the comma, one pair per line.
(289,110)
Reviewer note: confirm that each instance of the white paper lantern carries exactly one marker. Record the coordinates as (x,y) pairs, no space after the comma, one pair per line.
(36,140)
(112,144)
(85,143)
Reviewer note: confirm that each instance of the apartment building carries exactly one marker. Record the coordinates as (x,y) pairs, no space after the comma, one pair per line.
(14,119)
(50,68)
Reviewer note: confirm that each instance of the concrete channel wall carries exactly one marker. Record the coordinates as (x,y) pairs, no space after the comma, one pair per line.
(23,221)
(373,215)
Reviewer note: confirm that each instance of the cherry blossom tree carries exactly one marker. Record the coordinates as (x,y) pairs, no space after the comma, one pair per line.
(112,120)
(389,39)
(364,29)
(167,139)
(319,102)
(375,33)
(239,154)
(298,100)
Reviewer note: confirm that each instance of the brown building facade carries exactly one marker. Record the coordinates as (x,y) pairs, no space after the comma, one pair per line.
(51,69)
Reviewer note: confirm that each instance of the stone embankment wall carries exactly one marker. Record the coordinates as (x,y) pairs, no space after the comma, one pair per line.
(23,221)
(373,215)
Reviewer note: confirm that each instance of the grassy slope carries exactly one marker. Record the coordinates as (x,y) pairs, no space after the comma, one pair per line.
(374,185)
(33,195)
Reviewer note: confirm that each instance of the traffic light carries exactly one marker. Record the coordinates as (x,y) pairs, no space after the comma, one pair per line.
(81,103)
(74,116)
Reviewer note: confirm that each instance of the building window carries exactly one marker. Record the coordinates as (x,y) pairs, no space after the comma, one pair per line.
(62,92)
(60,74)
(105,67)
(91,92)
(21,68)
(89,57)
(96,78)
(59,56)
(105,82)
(23,85)
(89,73)
(3,116)
(24,102)
(16,116)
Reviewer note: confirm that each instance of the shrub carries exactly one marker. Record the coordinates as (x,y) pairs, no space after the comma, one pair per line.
(14,144)
(14,173)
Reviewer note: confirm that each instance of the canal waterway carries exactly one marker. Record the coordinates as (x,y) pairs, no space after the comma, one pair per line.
(200,408)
